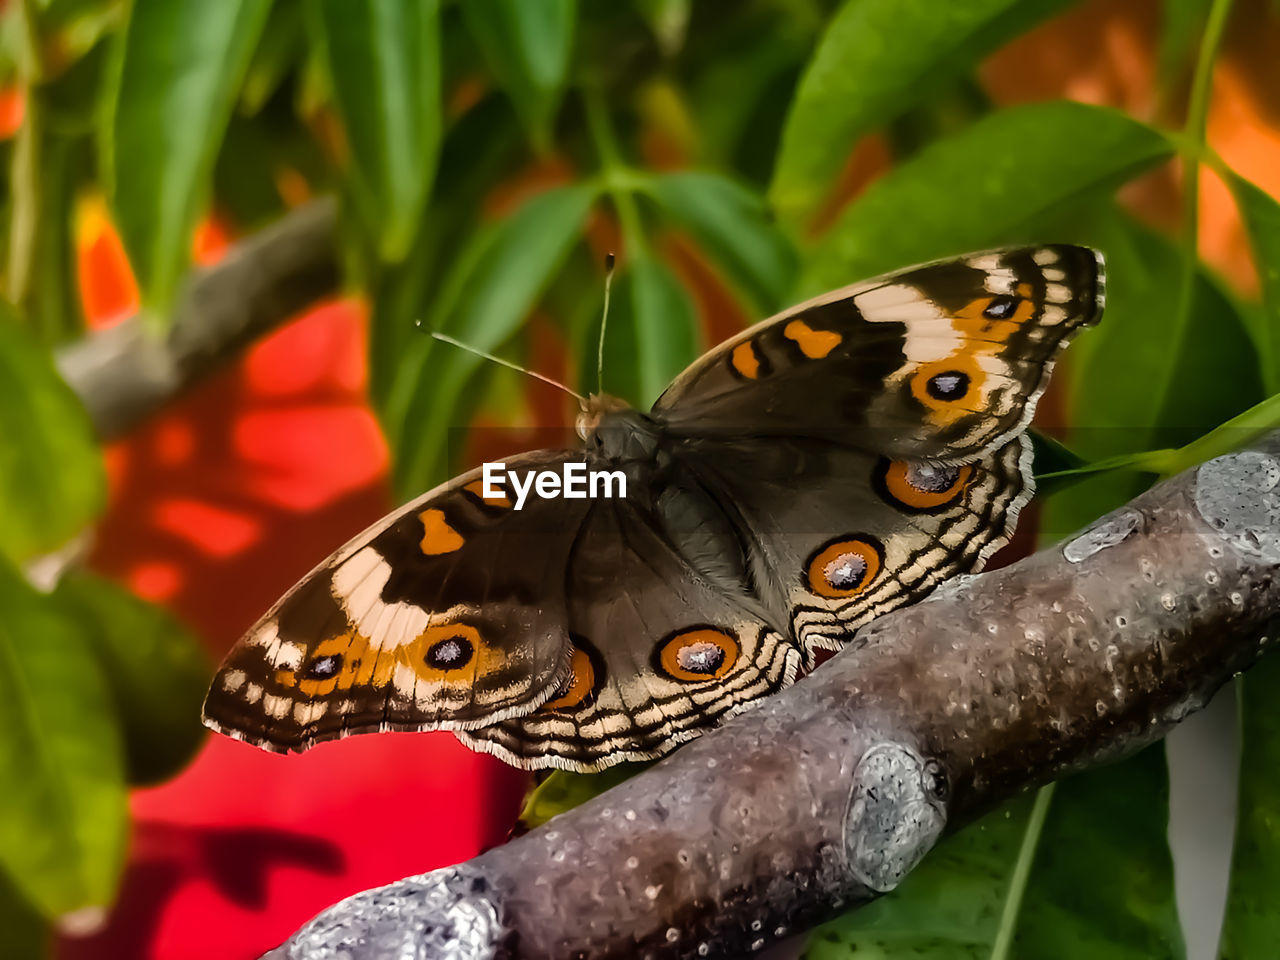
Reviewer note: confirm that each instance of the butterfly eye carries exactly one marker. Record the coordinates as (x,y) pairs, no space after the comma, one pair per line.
(322,668)
(705,653)
(948,385)
(844,567)
(1002,308)
(451,653)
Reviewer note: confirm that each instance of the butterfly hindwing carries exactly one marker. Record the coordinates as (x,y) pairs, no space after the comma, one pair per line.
(838,536)
(660,654)
(941,361)
(449,613)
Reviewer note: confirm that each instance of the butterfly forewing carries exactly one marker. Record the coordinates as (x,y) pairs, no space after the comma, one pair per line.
(941,361)
(448,614)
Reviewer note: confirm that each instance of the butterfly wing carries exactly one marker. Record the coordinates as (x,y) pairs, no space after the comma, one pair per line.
(449,613)
(836,536)
(941,361)
(660,653)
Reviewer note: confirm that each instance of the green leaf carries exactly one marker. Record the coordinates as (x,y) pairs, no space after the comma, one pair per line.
(1182,24)
(26,936)
(279,50)
(384,66)
(1068,874)
(51,475)
(156,670)
(490,293)
(53,301)
(1261,215)
(1251,928)
(563,790)
(1243,428)
(669,21)
(733,226)
(994,182)
(662,335)
(1111,406)
(742,89)
(876,59)
(174,82)
(527,45)
(63,813)
(481,147)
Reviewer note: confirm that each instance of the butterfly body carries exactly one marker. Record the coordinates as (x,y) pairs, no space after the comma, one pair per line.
(817,471)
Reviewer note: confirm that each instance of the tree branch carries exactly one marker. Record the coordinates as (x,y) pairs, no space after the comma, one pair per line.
(828,794)
(125,373)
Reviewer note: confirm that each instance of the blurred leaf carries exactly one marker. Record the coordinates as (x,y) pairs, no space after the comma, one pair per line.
(876,59)
(1101,884)
(741,91)
(384,66)
(490,293)
(1067,875)
(63,813)
(668,19)
(1251,928)
(563,791)
(51,301)
(1053,457)
(51,475)
(662,335)
(1243,428)
(1181,24)
(26,936)
(1112,408)
(279,50)
(156,670)
(733,227)
(482,146)
(1049,155)
(527,45)
(953,106)
(174,82)
(1261,215)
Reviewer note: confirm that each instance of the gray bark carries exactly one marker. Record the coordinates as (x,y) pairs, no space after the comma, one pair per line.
(127,372)
(828,794)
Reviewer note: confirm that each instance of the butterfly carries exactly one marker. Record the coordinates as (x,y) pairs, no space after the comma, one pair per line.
(818,470)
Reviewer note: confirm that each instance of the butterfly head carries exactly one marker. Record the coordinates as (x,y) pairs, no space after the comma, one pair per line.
(613,429)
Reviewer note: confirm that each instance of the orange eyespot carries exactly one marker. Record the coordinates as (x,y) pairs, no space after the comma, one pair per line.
(921,486)
(698,655)
(845,567)
(949,388)
(448,653)
(580,685)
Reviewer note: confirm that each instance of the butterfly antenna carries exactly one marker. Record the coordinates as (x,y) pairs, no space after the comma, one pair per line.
(609,261)
(445,338)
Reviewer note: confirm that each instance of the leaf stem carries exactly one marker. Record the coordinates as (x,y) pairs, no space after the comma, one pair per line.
(1021,872)
(1194,149)
(617,178)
